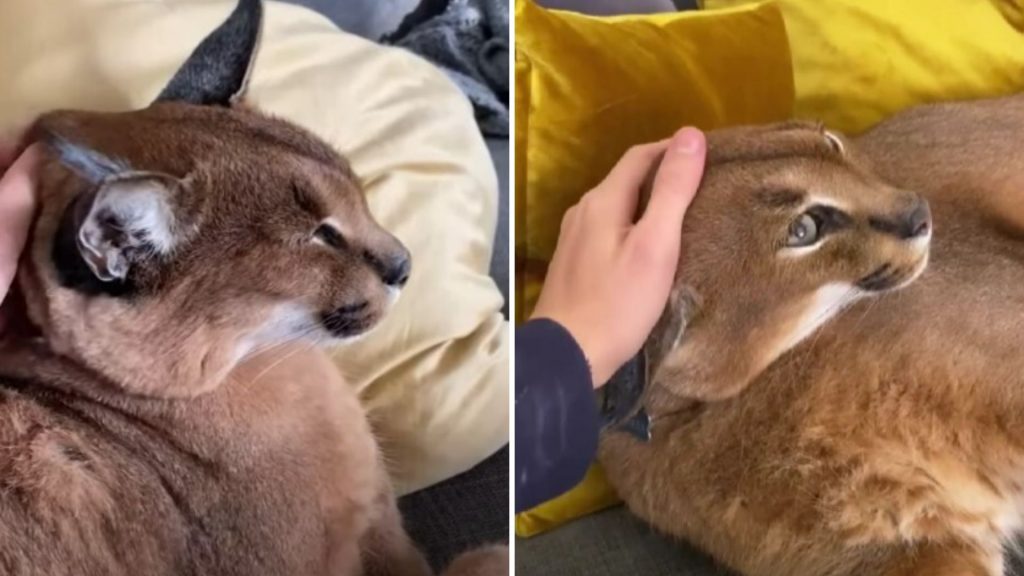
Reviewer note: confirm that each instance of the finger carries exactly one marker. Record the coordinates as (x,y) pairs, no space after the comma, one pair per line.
(619,192)
(567,238)
(8,152)
(12,142)
(675,185)
(569,218)
(17,208)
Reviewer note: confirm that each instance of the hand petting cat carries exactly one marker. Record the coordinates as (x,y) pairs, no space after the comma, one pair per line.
(610,277)
(17,207)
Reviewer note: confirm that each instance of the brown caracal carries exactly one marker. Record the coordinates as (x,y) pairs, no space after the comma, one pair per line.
(172,243)
(847,395)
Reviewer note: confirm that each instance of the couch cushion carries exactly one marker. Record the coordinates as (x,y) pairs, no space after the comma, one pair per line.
(856,62)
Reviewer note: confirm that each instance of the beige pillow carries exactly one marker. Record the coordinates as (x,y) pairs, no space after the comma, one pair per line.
(435,374)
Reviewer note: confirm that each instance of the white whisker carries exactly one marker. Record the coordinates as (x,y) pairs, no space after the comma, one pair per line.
(281,360)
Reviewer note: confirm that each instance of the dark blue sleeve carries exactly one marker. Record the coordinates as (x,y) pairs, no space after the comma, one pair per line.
(556,413)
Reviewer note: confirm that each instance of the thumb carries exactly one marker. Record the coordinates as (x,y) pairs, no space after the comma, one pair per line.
(17,207)
(675,184)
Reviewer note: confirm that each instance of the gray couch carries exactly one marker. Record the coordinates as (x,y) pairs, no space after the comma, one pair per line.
(610,543)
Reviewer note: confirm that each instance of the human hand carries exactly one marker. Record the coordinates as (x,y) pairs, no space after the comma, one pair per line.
(17,208)
(610,278)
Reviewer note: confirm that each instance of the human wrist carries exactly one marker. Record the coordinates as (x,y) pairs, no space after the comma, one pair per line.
(590,346)
(571,337)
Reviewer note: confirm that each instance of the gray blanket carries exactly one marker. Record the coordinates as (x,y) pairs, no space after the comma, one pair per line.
(468,39)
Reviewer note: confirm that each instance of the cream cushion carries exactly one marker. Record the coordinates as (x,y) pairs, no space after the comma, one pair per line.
(434,376)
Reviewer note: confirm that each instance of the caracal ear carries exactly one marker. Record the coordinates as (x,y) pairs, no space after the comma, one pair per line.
(217,73)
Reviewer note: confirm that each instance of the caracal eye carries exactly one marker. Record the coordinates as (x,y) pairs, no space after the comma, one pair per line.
(330,236)
(803,231)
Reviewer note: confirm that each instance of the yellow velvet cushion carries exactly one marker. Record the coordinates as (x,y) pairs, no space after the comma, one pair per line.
(589,88)
(856,62)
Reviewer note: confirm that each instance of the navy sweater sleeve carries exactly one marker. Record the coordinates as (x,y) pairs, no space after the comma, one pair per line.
(556,414)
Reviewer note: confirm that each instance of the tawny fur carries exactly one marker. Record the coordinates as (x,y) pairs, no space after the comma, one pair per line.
(171,417)
(133,441)
(890,440)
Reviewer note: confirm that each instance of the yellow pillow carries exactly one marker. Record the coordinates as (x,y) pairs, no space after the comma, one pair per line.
(856,62)
(434,374)
(592,494)
(588,88)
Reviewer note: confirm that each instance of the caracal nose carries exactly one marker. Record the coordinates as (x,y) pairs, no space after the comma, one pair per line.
(393,268)
(918,221)
(397,273)
(913,223)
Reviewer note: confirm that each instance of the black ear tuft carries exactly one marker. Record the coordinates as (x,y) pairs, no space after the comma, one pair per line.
(217,72)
